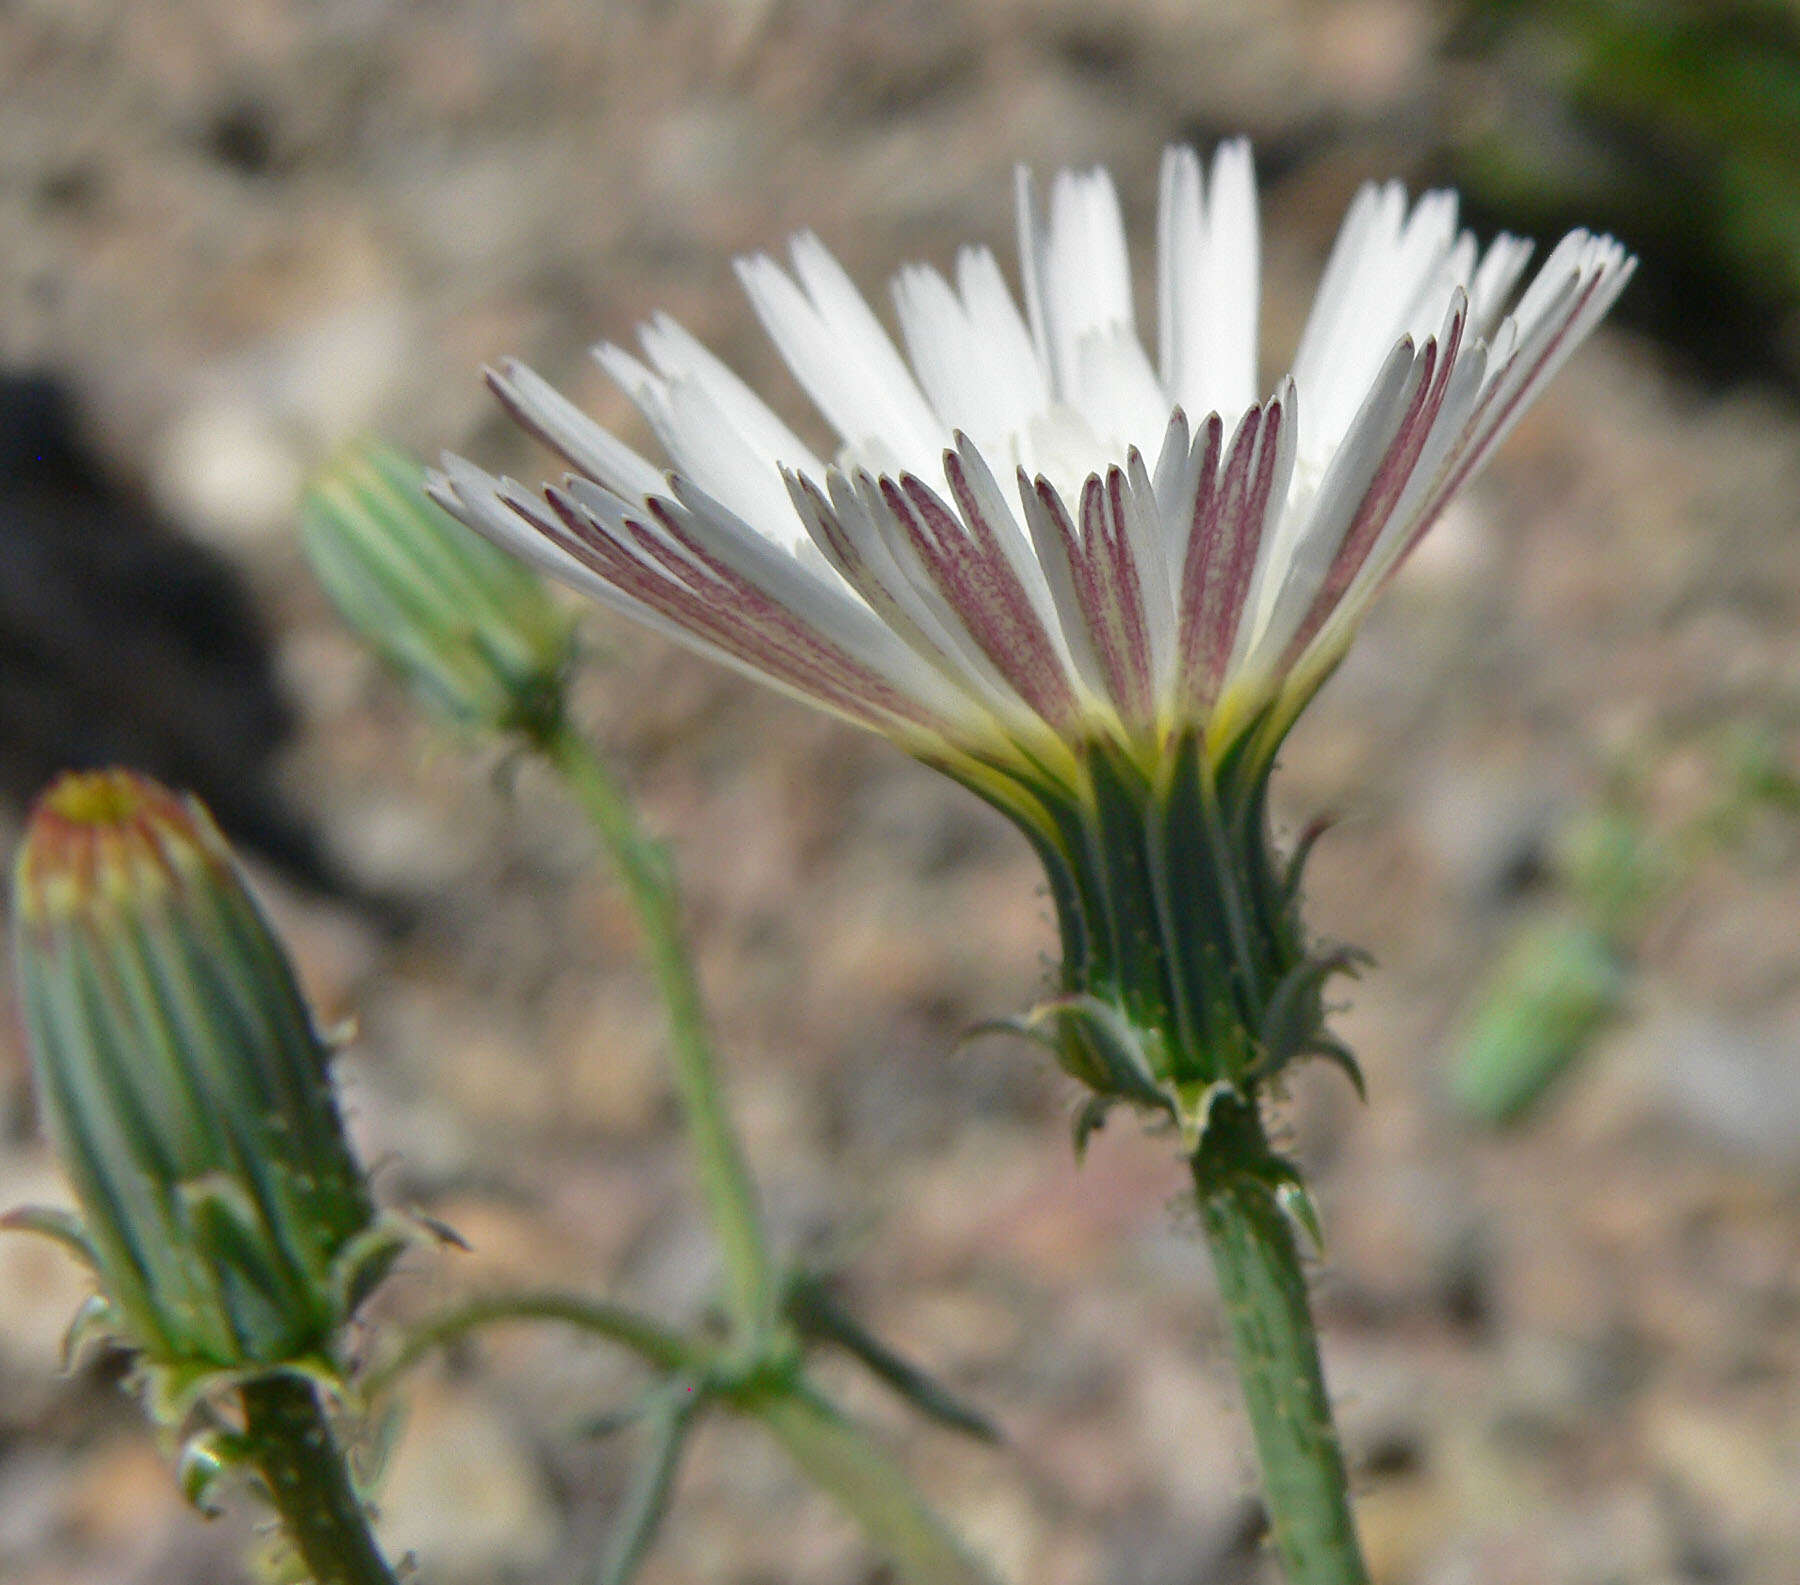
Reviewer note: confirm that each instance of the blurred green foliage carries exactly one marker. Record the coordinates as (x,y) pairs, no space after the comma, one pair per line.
(1675,124)
(1555,988)
(1565,974)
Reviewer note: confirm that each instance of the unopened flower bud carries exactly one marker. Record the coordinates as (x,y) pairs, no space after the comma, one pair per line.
(186,1091)
(464,623)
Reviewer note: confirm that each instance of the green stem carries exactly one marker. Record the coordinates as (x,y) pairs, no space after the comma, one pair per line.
(826,1447)
(288,1439)
(1276,1348)
(653,1343)
(835,1455)
(724,1177)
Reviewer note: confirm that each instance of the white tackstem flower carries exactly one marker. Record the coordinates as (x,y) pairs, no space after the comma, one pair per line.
(1032,534)
(1096,585)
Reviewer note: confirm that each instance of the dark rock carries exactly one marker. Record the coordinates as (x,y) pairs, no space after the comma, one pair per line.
(122,642)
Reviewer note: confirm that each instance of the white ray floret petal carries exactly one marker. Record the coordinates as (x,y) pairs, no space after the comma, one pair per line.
(1029,530)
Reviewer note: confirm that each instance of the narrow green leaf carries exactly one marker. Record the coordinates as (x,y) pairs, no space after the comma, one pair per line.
(64,1227)
(1299,1207)
(669,1420)
(1090,1117)
(818,1316)
(202,1465)
(1293,1023)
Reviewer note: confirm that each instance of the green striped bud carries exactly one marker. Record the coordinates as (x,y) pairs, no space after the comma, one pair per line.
(469,627)
(187,1093)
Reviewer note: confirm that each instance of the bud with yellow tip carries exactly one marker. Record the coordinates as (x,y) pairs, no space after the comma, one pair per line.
(187,1094)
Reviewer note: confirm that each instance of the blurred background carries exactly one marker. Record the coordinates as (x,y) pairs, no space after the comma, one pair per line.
(1563,1318)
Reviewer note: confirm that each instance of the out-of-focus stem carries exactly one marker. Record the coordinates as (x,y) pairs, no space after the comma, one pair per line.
(835,1455)
(829,1449)
(289,1441)
(724,1177)
(658,1347)
(1263,1287)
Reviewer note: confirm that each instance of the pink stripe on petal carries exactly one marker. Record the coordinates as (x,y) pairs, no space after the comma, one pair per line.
(786,633)
(826,530)
(936,645)
(1499,405)
(1066,570)
(1092,582)
(1218,519)
(1138,702)
(548,416)
(644,568)
(666,569)
(1507,393)
(1222,552)
(1390,479)
(975,578)
(574,529)
(987,534)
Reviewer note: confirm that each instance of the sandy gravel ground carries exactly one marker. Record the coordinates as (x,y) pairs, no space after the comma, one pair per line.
(1571,1356)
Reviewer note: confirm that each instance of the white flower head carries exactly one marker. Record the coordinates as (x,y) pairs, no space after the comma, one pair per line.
(1031,535)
